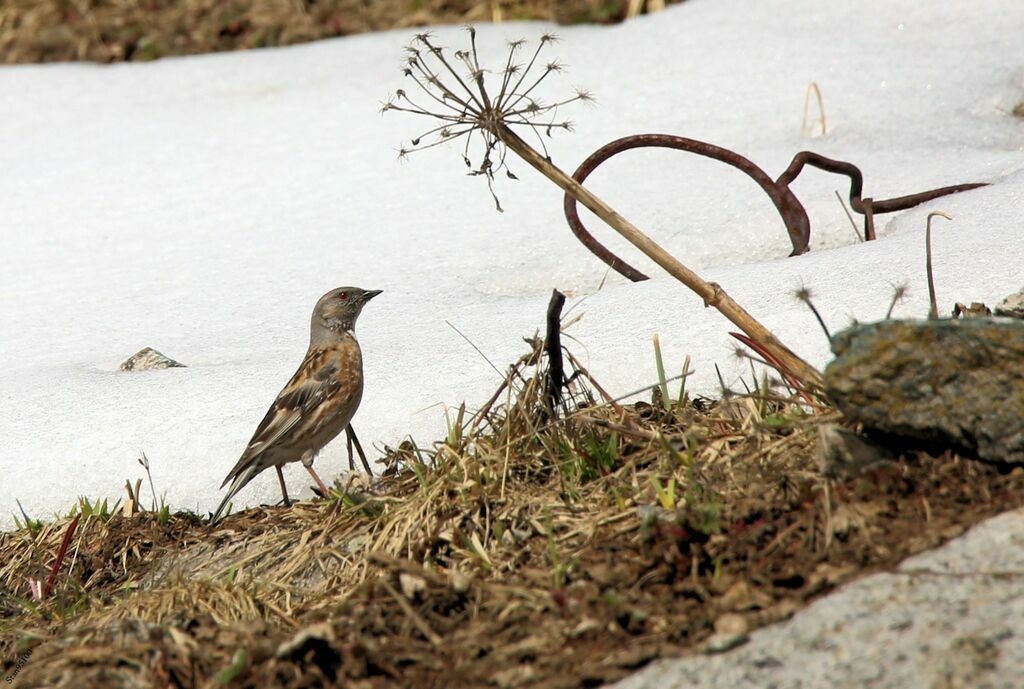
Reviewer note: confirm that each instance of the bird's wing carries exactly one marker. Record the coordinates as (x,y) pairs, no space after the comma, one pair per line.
(302,400)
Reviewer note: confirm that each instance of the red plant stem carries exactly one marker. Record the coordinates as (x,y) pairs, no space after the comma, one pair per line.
(774,363)
(68,535)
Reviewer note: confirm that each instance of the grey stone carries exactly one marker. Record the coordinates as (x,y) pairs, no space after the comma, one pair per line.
(952,618)
(975,310)
(844,454)
(147,359)
(953,383)
(1012,306)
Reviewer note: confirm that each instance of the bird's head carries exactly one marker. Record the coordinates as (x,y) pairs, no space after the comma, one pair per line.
(337,311)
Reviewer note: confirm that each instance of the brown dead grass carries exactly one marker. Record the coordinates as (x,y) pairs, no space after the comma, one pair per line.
(518,552)
(116,30)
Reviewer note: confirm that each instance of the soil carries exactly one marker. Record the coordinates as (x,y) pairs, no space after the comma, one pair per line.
(117,30)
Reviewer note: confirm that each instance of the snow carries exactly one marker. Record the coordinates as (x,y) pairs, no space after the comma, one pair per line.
(201,206)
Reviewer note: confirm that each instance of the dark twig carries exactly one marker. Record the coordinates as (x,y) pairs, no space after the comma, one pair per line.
(553,349)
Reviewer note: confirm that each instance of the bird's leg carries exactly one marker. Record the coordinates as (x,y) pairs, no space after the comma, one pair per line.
(354,440)
(320,484)
(348,444)
(284,489)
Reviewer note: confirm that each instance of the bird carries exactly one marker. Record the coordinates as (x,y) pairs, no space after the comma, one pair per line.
(317,403)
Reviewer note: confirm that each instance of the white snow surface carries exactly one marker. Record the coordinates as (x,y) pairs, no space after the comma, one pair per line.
(201,205)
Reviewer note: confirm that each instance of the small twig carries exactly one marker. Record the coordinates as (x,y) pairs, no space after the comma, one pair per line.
(804,295)
(933,310)
(553,349)
(593,381)
(898,292)
(849,216)
(144,461)
(473,345)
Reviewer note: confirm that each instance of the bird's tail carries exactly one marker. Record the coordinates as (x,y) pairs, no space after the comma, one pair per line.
(238,484)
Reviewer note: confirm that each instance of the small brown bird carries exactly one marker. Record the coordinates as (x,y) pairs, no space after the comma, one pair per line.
(317,403)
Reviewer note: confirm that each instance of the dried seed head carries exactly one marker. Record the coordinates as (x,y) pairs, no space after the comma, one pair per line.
(585,96)
(452,88)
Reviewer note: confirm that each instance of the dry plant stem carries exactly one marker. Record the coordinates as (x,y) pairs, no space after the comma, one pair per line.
(804,129)
(712,294)
(553,348)
(933,309)
(593,381)
(68,535)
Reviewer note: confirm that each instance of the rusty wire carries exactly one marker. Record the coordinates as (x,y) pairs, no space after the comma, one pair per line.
(798,225)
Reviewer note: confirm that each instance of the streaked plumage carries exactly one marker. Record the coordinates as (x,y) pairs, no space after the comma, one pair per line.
(319,400)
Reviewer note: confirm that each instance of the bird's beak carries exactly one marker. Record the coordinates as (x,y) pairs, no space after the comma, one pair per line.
(370,294)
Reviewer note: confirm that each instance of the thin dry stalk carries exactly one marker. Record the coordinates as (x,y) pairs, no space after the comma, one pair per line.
(933,310)
(808,129)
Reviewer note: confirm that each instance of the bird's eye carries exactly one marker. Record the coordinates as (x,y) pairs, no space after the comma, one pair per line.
(343,296)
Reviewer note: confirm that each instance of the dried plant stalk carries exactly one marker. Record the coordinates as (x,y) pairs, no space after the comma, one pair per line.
(710,292)
(808,130)
(933,310)
(469,108)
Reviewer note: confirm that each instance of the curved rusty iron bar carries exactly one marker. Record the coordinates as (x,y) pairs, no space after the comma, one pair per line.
(867,207)
(790,209)
(793,214)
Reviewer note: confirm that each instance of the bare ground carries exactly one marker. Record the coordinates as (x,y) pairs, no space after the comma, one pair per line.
(115,30)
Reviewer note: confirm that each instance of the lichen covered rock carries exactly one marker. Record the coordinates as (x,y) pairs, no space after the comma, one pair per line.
(952,382)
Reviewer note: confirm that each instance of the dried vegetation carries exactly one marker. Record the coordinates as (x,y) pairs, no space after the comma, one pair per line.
(525,549)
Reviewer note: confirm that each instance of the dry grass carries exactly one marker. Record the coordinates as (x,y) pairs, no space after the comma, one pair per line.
(116,30)
(519,551)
